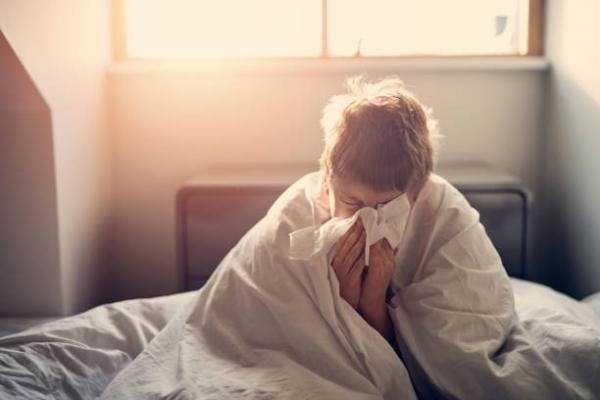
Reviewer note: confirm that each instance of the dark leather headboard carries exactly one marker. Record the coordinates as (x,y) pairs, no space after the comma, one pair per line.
(213,214)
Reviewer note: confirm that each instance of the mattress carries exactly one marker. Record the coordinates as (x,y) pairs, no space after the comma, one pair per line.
(78,356)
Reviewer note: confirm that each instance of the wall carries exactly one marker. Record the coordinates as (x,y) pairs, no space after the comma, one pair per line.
(65,47)
(170,121)
(572,146)
(29,233)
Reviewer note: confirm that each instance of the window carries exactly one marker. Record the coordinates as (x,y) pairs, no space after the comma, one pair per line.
(191,29)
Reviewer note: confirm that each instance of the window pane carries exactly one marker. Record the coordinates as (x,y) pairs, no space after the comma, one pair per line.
(427,27)
(223,28)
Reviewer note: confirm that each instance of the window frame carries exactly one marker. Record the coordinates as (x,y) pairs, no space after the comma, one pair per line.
(535,45)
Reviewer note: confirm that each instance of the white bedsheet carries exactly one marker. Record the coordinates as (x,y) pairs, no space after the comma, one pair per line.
(119,329)
(76,357)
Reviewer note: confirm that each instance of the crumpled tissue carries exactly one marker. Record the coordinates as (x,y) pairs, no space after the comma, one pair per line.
(386,221)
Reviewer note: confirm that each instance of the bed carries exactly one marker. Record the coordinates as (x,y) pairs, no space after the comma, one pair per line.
(78,356)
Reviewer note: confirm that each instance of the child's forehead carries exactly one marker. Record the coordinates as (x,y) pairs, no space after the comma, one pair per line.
(351,188)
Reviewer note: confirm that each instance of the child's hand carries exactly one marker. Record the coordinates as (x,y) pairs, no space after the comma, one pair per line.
(377,279)
(348,263)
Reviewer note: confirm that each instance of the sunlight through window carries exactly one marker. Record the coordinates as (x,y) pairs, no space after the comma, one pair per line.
(426,27)
(223,28)
(184,29)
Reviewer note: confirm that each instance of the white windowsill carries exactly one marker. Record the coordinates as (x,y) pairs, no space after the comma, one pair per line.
(476,64)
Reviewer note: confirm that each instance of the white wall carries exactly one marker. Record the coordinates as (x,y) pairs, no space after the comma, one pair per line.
(170,122)
(65,46)
(572,146)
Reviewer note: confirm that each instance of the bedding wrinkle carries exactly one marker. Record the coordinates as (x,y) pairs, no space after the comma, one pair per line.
(270,323)
(76,357)
(273,321)
(458,311)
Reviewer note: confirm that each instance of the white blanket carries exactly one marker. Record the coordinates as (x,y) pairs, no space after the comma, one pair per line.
(76,357)
(70,354)
(270,326)
(265,326)
(456,322)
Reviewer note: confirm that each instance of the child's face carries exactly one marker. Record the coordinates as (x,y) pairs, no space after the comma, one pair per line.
(345,196)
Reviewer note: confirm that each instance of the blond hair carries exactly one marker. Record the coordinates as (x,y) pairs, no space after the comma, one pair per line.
(380,135)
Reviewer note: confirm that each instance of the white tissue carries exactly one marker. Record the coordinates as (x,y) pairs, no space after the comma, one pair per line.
(387,221)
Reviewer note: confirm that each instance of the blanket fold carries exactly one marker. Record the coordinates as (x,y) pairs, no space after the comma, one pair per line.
(270,322)
(267,325)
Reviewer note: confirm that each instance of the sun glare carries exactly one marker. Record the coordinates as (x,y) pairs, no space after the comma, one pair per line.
(407,27)
(223,28)
(293,28)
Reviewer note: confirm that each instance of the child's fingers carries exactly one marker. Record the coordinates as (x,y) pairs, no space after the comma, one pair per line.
(385,245)
(356,250)
(382,250)
(350,240)
(375,246)
(347,240)
(357,269)
(379,248)
(387,248)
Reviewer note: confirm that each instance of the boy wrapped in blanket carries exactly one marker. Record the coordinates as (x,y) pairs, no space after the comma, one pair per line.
(369,279)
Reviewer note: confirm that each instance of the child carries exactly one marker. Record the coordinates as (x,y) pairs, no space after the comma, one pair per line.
(442,294)
(379,144)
